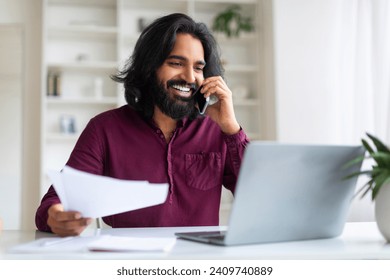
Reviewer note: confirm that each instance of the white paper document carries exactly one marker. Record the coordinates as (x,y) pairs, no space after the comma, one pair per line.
(54,245)
(97,196)
(113,243)
(100,243)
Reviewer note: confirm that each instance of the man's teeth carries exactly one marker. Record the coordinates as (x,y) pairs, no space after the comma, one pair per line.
(181,88)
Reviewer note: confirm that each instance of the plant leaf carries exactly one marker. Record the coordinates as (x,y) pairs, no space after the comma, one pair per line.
(378,144)
(357,173)
(223,21)
(367,147)
(366,185)
(382,158)
(380,172)
(354,161)
(366,191)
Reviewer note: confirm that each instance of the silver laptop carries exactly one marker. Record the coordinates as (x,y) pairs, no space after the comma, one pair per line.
(286,193)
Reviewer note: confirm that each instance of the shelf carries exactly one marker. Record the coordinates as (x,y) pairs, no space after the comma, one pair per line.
(226,1)
(62,137)
(240,68)
(243,37)
(154,5)
(98,32)
(92,3)
(246,102)
(84,65)
(84,100)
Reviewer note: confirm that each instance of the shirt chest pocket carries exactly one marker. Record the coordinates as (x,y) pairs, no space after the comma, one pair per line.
(204,171)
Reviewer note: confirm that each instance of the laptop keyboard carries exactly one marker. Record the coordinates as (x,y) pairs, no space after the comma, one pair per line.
(218,235)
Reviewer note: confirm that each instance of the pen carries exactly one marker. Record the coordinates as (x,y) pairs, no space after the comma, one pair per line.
(56,241)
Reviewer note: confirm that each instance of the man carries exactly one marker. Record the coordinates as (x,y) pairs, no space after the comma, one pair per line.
(159,136)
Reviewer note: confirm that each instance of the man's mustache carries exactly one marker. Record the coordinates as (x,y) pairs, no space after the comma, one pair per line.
(183,83)
(192,86)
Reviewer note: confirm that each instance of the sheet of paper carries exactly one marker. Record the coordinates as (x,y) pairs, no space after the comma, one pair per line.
(125,244)
(107,243)
(99,196)
(54,245)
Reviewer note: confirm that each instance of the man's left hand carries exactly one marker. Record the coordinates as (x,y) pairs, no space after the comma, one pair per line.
(222,112)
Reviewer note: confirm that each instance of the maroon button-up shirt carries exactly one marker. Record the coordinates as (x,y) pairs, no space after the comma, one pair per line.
(197,161)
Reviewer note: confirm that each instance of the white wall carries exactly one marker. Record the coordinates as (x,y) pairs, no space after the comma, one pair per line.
(27,15)
(11,93)
(305,41)
(303,60)
(11,89)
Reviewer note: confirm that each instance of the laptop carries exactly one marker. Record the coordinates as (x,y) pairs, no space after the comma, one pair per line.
(288,192)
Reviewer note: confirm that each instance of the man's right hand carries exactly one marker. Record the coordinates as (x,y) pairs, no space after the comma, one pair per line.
(66,223)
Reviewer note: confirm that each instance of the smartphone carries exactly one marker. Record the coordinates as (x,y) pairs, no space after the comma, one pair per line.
(201,101)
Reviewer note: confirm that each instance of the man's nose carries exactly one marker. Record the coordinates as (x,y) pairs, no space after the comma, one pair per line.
(188,75)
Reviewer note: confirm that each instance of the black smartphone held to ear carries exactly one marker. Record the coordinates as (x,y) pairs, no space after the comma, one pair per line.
(201,101)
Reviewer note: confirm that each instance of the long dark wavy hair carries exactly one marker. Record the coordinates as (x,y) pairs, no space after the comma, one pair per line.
(152,48)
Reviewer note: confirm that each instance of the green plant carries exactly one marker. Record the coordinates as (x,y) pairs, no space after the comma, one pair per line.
(380,172)
(231,22)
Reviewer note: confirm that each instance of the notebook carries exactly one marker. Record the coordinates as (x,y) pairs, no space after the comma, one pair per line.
(288,192)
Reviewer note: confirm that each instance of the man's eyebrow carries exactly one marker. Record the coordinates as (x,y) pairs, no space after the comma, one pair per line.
(179,57)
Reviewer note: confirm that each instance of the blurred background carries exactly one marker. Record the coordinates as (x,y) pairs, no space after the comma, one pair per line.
(302,71)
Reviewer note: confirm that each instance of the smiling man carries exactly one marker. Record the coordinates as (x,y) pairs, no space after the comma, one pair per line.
(159,136)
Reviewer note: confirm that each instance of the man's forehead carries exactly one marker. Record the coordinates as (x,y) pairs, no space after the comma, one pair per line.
(183,58)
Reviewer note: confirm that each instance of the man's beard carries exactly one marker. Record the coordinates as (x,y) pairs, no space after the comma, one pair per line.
(175,107)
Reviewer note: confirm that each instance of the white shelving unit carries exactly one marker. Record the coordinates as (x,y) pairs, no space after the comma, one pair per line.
(81,48)
(85,41)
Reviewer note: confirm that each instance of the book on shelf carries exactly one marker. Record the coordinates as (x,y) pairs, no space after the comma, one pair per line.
(53,84)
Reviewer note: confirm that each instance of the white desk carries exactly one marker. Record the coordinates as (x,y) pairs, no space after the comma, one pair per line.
(358,241)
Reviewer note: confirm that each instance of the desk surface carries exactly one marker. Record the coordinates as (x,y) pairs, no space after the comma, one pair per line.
(358,241)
